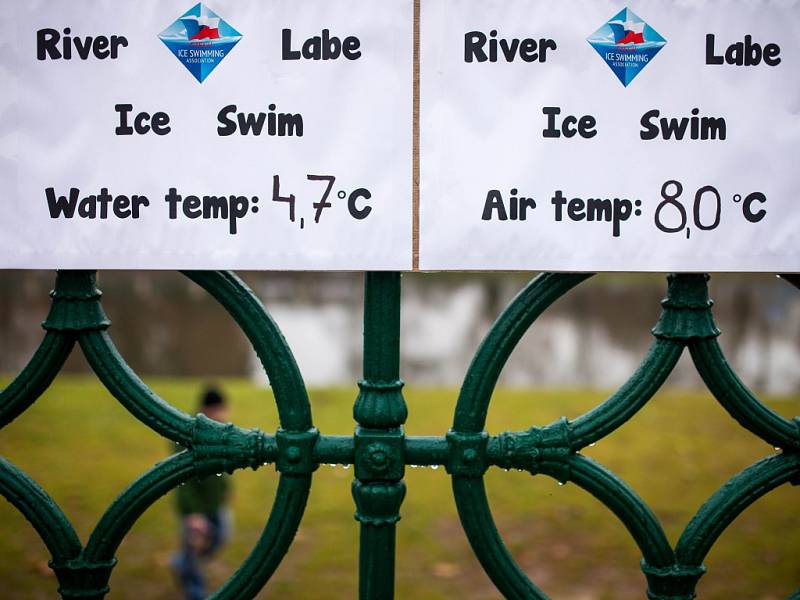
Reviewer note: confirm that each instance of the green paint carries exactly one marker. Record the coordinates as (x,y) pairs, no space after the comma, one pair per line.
(379,448)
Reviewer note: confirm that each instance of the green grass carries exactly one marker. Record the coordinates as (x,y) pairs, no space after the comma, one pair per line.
(83,448)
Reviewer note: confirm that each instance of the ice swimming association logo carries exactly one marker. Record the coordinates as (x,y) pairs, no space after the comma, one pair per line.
(200,39)
(627,44)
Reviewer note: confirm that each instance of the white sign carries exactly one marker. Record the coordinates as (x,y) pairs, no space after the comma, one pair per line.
(595,135)
(229,134)
(575,135)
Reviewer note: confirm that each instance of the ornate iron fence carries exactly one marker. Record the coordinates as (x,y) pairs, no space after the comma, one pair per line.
(380,450)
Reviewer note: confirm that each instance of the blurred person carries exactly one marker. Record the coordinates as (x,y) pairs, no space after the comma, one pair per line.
(202,507)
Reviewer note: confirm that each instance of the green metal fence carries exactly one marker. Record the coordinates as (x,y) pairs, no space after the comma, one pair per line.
(379,450)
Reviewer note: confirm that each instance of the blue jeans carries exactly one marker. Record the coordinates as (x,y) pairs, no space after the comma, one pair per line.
(187,562)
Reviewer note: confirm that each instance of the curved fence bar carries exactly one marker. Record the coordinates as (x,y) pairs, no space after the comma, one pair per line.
(476,518)
(41,511)
(288,508)
(379,448)
(626,505)
(730,500)
(511,325)
(737,399)
(496,560)
(36,377)
(138,497)
(142,402)
(279,532)
(626,402)
(268,342)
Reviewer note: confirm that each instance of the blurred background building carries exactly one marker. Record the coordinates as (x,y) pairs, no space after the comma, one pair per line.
(595,336)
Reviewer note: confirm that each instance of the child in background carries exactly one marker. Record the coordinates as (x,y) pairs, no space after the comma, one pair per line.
(201,505)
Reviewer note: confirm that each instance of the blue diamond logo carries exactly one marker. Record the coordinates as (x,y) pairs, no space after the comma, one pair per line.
(627,44)
(200,39)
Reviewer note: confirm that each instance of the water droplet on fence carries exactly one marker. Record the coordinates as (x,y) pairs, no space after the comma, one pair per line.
(434,467)
(414,466)
(345,467)
(333,465)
